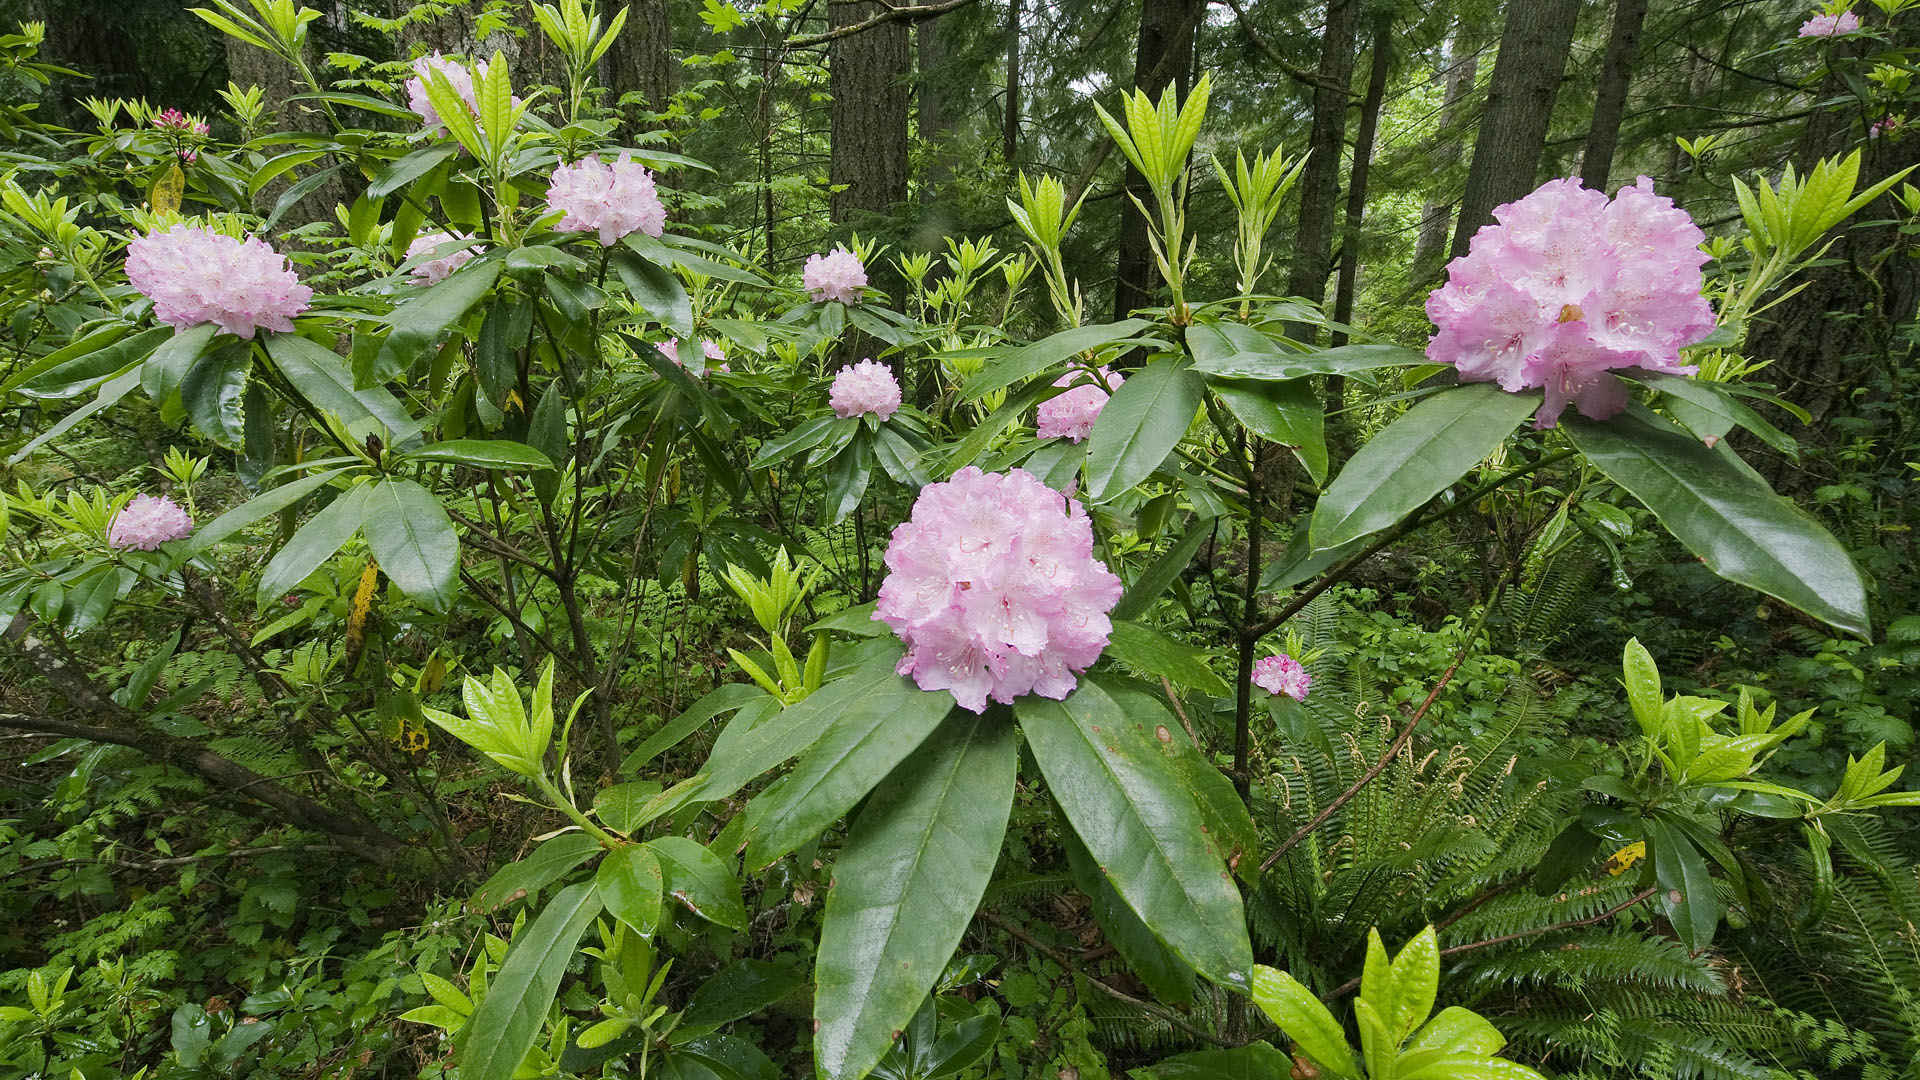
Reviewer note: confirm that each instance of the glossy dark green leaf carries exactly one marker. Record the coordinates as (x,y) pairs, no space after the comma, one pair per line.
(1718,411)
(1169,977)
(1724,512)
(508,1021)
(1287,412)
(1162,572)
(848,475)
(323,378)
(658,290)
(905,888)
(313,543)
(411,536)
(267,503)
(740,989)
(1139,426)
(861,746)
(1686,888)
(84,371)
(166,368)
(698,879)
(1237,352)
(522,878)
(418,321)
(503,333)
(1049,353)
(799,440)
(1415,458)
(1150,652)
(900,458)
(965,1043)
(484,454)
(1110,775)
(630,884)
(547,433)
(409,168)
(212,393)
(85,345)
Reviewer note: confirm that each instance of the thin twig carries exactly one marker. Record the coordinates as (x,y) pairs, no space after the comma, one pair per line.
(890,14)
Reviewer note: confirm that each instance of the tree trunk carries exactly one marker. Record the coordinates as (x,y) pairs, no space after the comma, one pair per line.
(1436,216)
(1610,101)
(1163,58)
(1320,180)
(641,59)
(1357,185)
(869,73)
(1513,131)
(1010,127)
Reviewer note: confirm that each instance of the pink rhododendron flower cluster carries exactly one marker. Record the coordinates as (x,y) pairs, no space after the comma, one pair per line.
(1882,126)
(146,522)
(610,199)
(1830,25)
(1282,674)
(865,387)
(716,358)
(456,75)
(1569,286)
(175,120)
(837,275)
(993,585)
(433,271)
(1071,415)
(195,275)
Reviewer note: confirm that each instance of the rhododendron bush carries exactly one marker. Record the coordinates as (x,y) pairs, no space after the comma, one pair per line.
(480,437)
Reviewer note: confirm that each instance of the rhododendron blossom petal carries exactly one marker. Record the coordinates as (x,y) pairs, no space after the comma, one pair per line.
(865,387)
(195,275)
(146,522)
(837,275)
(993,586)
(1568,287)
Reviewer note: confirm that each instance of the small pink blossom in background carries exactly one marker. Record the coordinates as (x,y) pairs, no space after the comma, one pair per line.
(433,271)
(1830,25)
(1882,126)
(612,200)
(456,75)
(716,358)
(146,522)
(195,275)
(1569,286)
(837,275)
(1282,674)
(993,586)
(865,387)
(173,119)
(1071,415)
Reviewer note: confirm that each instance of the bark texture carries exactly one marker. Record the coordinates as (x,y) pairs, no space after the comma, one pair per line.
(1320,180)
(869,72)
(1362,162)
(1513,131)
(1459,70)
(1610,99)
(641,59)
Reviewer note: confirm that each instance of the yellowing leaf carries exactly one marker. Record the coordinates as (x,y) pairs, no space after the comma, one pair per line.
(168,189)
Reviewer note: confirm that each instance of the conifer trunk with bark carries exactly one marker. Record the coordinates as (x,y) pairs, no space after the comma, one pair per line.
(1320,179)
